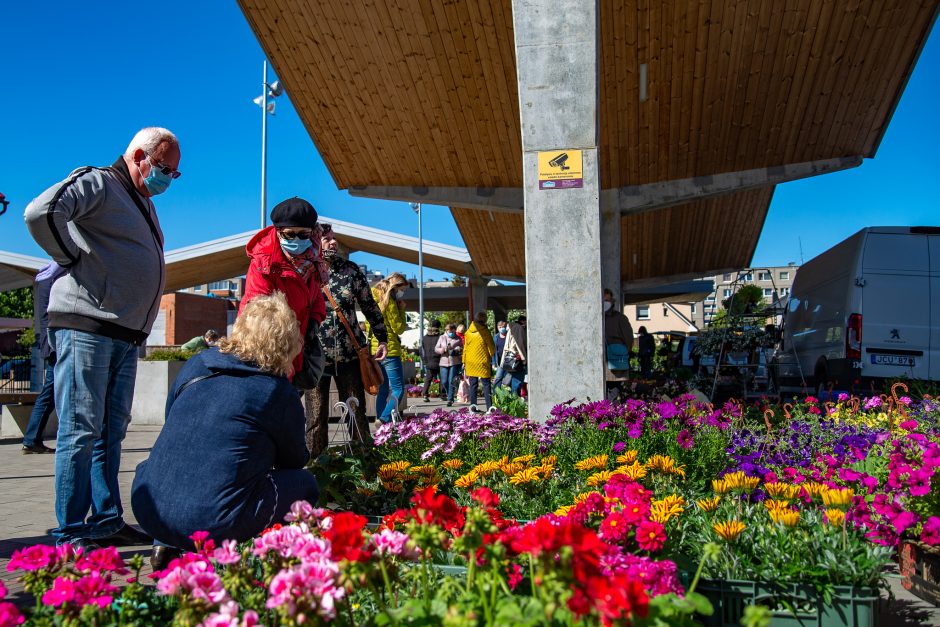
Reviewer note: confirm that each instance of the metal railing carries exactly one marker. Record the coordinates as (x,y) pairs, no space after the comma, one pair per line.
(15,373)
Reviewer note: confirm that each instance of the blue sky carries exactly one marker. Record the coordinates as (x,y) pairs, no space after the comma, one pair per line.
(78,82)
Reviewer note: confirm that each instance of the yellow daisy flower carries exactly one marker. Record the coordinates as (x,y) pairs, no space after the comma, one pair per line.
(627,457)
(511,468)
(729,530)
(550,460)
(739,481)
(779,490)
(592,463)
(788,517)
(837,497)
(452,464)
(523,459)
(835,517)
(720,486)
(583,497)
(467,480)
(599,478)
(393,486)
(486,469)
(545,470)
(526,475)
(814,489)
(634,471)
(398,466)
(709,505)
(563,510)
(773,505)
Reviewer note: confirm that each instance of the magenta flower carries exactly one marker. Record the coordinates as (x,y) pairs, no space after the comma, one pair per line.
(931,531)
(92,589)
(306,586)
(32,558)
(908,425)
(388,542)
(227,553)
(227,616)
(919,482)
(685,439)
(620,447)
(106,559)
(9,615)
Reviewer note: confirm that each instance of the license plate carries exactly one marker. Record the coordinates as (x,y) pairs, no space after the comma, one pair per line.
(892,360)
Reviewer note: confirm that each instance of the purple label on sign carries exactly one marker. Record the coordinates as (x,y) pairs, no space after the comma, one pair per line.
(563,184)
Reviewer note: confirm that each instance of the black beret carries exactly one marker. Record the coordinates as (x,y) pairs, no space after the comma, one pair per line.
(294,212)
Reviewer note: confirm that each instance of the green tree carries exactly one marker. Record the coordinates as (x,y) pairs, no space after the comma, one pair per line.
(17,303)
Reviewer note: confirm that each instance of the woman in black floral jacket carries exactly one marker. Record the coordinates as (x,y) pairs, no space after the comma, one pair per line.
(349,287)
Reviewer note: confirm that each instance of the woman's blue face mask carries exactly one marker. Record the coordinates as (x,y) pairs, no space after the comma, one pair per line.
(451,334)
(294,246)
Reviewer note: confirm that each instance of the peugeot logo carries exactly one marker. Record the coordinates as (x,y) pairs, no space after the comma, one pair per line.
(895,335)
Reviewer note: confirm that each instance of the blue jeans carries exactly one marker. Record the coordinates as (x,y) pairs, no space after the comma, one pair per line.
(392,390)
(518,378)
(45,403)
(449,387)
(94,388)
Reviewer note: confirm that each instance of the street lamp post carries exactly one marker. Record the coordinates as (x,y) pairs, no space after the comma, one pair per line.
(273,91)
(416,207)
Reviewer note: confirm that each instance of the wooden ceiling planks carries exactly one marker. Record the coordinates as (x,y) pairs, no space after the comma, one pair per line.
(417,93)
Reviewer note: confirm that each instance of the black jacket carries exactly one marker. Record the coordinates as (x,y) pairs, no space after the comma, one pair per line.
(41,290)
(430,358)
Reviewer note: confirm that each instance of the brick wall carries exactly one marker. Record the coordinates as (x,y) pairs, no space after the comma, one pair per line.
(189,315)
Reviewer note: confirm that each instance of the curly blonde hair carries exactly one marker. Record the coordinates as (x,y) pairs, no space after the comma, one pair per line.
(387,286)
(267,334)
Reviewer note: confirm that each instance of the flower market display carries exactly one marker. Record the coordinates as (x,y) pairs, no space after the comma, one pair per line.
(646,513)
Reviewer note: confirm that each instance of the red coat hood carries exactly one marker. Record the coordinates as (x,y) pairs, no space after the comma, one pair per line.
(265,249)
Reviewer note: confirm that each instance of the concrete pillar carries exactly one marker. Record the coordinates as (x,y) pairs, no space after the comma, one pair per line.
(610,253)
(478,294)
(557,68)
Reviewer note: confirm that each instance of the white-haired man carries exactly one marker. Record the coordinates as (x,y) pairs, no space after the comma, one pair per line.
(101,225)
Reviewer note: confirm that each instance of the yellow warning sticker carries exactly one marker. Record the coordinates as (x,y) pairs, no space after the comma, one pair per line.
(560,169)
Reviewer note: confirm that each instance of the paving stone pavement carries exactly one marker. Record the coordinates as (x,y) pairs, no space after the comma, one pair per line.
(27,497)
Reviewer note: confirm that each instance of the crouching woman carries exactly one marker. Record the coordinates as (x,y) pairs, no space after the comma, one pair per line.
(230,458)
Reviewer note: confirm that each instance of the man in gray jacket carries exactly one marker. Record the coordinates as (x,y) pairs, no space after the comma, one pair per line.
(101,225)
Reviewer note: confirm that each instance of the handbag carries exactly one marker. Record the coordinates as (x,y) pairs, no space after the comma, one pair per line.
(511,361)
(369,368)
(314,361)
(618,357)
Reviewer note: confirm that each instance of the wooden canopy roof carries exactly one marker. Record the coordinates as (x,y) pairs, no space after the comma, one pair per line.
(418,93)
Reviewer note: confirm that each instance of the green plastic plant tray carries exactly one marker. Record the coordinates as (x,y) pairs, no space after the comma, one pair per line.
(792,605)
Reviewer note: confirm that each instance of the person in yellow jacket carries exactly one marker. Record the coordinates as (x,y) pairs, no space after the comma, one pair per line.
(389,294)
(478,354)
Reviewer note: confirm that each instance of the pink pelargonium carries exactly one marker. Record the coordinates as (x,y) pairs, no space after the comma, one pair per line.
(207,586)
(302,511)
(10,615)
(105,559)
(394,543)
(304,587)
(227,616)
(174,578)
(227,553)
(293,541)
(92,589)
(3,591)
(32,558)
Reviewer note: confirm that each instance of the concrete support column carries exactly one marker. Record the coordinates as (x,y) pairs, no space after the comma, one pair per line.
(610,253)
(477,294)
(557,68)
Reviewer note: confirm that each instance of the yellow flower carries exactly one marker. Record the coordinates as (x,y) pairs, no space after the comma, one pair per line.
(709,505)
(550,460)
(665,465)
(720,486)
(663,510)
(599,478)
(788,517)
(773,505)
(835,517)
(452,464)
(635,470)
(393,486)
(627,457)
(511,468)
(526,475)
(583,497)
(523,459)
(592,463)
(814,488)
(365,491)
(426,470)
(781,490)
(837,497)
(467,480)
(729,530)
(486,469)
(398,466)
(545,470)
(563,510)
(739,481)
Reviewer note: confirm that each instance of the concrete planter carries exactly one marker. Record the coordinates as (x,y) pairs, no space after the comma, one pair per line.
(15,418)
(154,379)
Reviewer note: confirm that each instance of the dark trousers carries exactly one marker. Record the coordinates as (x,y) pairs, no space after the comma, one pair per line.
(474,381)
(348,384)
(646,364)
(430,373)
(45,403)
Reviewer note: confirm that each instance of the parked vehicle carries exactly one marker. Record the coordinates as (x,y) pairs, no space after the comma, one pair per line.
(865,311)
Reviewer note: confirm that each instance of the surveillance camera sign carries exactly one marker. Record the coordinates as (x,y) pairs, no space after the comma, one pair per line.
(560,169)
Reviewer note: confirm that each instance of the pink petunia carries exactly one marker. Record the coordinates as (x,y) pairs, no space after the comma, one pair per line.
(931,531)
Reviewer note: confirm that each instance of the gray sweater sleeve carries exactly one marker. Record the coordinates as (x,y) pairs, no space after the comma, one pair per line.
(48,215)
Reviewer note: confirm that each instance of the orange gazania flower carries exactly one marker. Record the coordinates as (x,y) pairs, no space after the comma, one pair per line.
(592,463)
(729,530)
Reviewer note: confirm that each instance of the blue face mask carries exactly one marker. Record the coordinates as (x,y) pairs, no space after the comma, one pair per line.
(295,246)
(451,334)
(157,182)
(502,330)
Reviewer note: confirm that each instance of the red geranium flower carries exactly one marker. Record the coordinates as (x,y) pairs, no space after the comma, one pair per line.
(345,536)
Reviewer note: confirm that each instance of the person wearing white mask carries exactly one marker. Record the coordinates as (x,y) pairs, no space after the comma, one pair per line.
(389,293)
(618,335)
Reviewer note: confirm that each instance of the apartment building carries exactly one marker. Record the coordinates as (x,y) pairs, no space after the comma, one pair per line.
(775,283)
(232,289)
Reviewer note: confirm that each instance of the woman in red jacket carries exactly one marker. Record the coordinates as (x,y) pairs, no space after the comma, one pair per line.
(286,258)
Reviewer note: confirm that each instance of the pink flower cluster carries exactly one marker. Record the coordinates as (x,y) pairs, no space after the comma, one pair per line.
(192,575)
(9,615)
(227,616)
(304,587)
(394,543)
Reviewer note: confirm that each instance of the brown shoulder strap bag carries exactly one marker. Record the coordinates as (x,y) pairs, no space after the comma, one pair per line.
(369,368)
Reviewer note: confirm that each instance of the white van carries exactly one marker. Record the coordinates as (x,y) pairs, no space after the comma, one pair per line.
(866,310)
